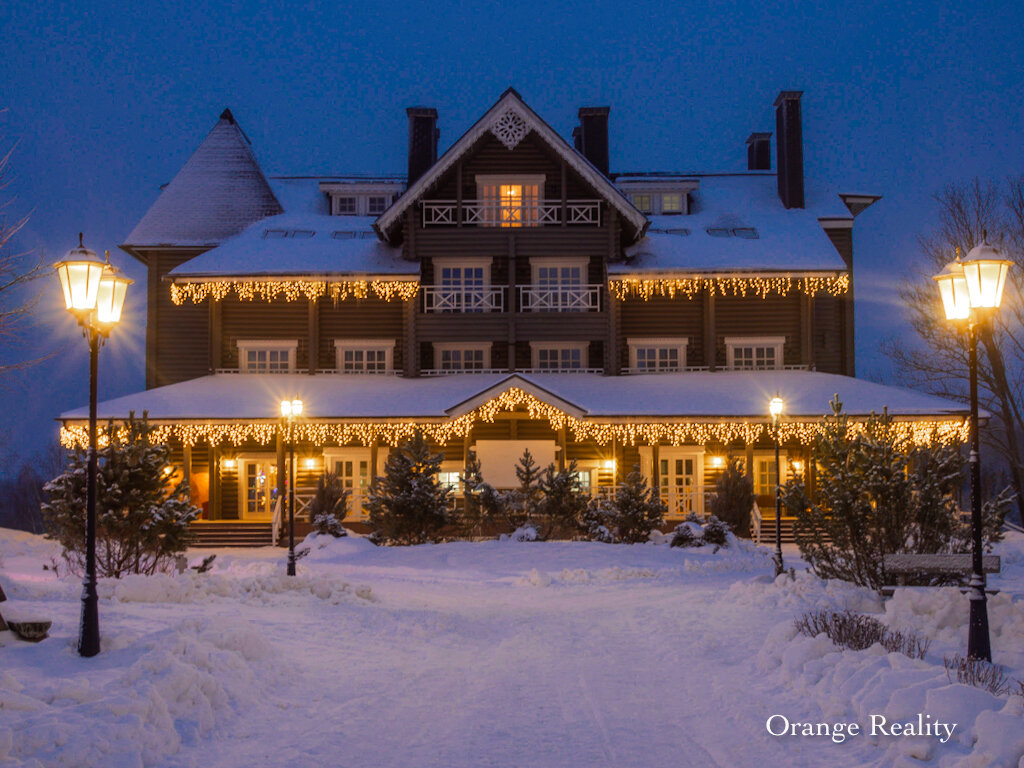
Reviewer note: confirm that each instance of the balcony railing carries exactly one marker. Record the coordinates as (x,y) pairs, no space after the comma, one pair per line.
(560,298)
(454,371)
(446,213)
(679,501)
(485,298)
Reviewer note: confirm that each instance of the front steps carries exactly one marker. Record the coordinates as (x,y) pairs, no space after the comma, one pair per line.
(230,533)
(768,530)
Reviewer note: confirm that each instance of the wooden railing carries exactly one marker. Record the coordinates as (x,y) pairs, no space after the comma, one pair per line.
(487,298)
(495,214)
(560,298)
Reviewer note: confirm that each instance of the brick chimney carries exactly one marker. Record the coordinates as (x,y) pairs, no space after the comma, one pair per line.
(759,152)
(591,136)
(789,141)
(423,136)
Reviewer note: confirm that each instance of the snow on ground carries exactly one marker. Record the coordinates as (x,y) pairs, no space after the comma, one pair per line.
(484,654)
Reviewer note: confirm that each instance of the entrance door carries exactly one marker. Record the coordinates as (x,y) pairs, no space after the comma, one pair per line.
(679,475)
(259,488)
(353,470)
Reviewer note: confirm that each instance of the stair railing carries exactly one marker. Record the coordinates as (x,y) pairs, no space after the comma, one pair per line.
(755,519)
(275,522)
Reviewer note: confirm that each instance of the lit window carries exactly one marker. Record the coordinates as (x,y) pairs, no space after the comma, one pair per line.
(764,474)
(376,205)
(754,354)
(643,203)
(671,202)
(510,201)
(461,287)
(344,206)
(364,355)
(450,479)
(266,356)
(462,357)
(654,355)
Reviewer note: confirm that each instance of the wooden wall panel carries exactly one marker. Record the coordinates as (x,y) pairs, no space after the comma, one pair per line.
(753,316)
(369,318)
(662,316)
(279,319)
(177,336)
(827,334)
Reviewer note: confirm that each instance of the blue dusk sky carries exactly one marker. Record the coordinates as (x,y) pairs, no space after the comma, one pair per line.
(105,102)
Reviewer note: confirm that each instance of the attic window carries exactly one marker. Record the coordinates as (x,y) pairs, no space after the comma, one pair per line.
(344,206)
(748,233)
(719,232)
(671,202)
(643,203)
(298,234)
(376,205)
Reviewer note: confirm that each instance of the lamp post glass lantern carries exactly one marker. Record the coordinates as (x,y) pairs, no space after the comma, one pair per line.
(94,292)
(775,408)
(290,410)
(971,291)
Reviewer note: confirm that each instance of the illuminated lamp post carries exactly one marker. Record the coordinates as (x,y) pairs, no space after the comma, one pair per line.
(775,408)
(94,293)
(971,291)
(290,410)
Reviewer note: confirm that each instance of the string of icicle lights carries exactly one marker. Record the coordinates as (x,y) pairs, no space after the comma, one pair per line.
(780,285)
(292,290)
(393,432)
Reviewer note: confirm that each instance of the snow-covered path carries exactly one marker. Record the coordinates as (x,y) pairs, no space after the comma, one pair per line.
(455,655)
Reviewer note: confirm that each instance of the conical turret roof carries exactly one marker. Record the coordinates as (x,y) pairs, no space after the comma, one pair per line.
(219,192)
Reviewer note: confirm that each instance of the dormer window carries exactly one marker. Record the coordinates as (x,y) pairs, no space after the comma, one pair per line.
(376,205)
(671,202)
(643,203)
(344,206)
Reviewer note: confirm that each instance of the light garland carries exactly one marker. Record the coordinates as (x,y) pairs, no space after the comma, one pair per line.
(292,290)
(625,433)
(646,287)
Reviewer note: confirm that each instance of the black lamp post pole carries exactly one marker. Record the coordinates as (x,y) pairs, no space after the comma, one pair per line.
(89,631)
(779,567)
(291,499)
(978,646)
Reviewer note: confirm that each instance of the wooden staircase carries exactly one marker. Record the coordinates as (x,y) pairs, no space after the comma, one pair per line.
(230,533)
(768,530)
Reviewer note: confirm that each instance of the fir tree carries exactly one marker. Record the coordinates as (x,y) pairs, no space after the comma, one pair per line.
(329,506)
(562,504)
(480,502)
(521,505)
(142,515)
(408,505)
(630,515)
(733,499)
(877,495)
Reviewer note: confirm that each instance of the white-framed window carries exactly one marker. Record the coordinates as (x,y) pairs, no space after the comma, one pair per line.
(364,355)
(754,353)
(657,354)
(451,475)
(267,355)
(510,201)
(376,204)
(459,356)
(671,202)
(764,472)
(559,273)
(345,205)
(644,202)
(462,285)
(559,355)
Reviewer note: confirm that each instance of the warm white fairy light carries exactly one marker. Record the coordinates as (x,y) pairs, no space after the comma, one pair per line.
(726,285)
(293,289)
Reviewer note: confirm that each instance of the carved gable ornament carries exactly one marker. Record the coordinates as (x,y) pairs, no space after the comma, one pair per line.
(510,128)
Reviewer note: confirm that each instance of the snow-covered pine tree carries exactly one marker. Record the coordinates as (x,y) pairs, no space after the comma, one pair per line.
(733,499)
(142,515)
(562,504)
(407,504)
(878,494)
(520,505)
(480,502)
(329,506)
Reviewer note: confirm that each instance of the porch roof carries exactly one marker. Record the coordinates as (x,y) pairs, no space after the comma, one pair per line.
(719,396)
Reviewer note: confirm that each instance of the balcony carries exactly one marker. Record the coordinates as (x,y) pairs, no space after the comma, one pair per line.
(560,298)
(445,213)
(485,298)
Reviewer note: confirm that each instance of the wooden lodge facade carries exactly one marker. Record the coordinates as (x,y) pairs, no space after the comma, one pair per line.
(512,293)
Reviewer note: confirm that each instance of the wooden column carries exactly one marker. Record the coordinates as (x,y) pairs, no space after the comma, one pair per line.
(512,298)
(411,365)
(709,331)
(565,196)
(186,467)
(612,363)
(656,469)
(282,468)
(313,361)
(374,471)
(216,323)
(214,510)
(561,442)
(806,328)
(458,194)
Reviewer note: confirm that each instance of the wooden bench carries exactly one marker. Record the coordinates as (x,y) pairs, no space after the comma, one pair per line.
(903,566)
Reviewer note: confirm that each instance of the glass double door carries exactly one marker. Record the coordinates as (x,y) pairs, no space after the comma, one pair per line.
(679,480)
(259,488)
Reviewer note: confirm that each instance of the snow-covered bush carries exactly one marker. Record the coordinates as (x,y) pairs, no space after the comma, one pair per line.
(688,534)
(979,673)
(329,505)
(716,532)
(879,494)
(629,516)
(142,514)
(408,505)
(733,498)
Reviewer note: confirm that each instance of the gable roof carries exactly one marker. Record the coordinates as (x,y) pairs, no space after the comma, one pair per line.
(219,192)
(512,102)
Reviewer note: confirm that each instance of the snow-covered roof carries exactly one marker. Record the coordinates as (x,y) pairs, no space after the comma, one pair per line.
(737,223)
(282,246)
(216,194)
(722,395)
